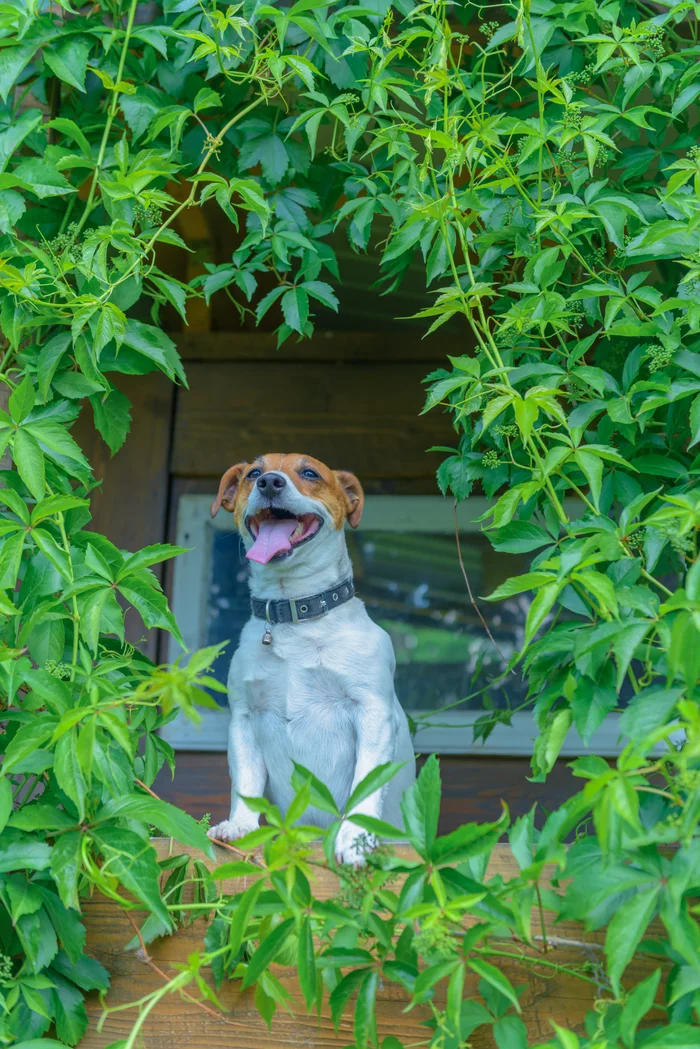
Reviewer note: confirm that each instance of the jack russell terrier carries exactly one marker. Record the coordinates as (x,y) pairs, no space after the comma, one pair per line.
(312,679)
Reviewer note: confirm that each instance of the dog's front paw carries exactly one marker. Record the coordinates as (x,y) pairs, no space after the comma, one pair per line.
(353,844)
(231,830)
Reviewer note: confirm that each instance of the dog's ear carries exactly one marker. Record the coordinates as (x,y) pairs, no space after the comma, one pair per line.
(354,495)
(228,486)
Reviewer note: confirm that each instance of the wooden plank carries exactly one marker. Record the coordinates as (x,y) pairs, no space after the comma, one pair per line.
(472,787)
(131,506)
(178,1023)
(363,416)
(399,345)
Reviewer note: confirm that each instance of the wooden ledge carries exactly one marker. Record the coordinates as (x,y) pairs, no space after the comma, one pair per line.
(179,1023)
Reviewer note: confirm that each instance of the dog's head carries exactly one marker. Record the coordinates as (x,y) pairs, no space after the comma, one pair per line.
(281,503)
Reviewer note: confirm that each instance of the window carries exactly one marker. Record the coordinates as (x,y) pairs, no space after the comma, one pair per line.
(407,572)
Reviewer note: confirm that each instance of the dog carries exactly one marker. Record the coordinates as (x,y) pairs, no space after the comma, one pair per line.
(312,679)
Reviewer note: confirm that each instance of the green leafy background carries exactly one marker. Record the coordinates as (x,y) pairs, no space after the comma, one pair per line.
(540,160)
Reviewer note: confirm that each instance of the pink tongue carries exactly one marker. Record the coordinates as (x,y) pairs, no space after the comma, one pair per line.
(272,538)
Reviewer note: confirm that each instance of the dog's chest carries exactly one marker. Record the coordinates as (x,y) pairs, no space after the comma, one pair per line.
(296,678)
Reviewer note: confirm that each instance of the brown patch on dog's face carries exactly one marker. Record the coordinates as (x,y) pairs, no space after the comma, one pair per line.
(338,490)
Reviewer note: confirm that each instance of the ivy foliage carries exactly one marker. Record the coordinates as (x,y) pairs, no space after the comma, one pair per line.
(443,925)
(544,167)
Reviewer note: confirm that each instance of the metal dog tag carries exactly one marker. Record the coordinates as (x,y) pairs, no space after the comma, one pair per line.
(267,636)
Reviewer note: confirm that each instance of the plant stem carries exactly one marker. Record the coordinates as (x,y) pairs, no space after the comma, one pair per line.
(74,600)
(111,114)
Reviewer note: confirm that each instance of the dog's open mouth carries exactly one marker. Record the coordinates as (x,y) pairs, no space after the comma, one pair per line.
(278,532)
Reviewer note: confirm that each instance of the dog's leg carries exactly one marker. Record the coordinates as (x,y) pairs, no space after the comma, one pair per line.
(376,734)
(248,774)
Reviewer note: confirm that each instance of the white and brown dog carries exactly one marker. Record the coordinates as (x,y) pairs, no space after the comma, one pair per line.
(312,680)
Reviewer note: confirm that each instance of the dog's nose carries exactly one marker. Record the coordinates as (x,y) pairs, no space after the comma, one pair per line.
(271,482)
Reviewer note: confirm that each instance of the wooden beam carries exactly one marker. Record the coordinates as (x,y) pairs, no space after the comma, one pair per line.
(398,345)
(361,416)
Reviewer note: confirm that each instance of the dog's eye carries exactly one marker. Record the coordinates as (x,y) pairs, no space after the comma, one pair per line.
(311,475)
(253,474)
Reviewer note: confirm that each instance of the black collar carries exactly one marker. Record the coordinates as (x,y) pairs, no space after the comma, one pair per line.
(304,607)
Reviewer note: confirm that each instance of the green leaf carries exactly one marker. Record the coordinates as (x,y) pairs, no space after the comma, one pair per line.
(12,137)
(12,62)
(119,730)
(5,801)
(41,816)
(295,308)
(134,863)
(365,1017)
(372,782)
(57,442)
(49,359)
(342,993)
(495,978)
(101,612)
(206,98)
(590,705)
(694,419)
(27,739)
(169,819)
(625,931)
(520,584)
(267,951)
(673,1036)
(510,1033)
(38,939)
(67,771)
(149,555)
(112,417)
(306,963)
(157,346)
(67,924)
(470,839)
(12,208)
(53,552)
(374,826)
(22,400)
(43,178)
(321,797)
(10,559)
(420,808)
(235,869)
(268,150)
(71,1015)
(16,855)
(71,130)
(68,60)
(648,710)
(541,606)
(639,1002)
(16,503)
(241,916)
(86,973)
(592,469)
(151,605)
(549,743)
(518,537)
(322,292)
(432,975)
(55,504)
